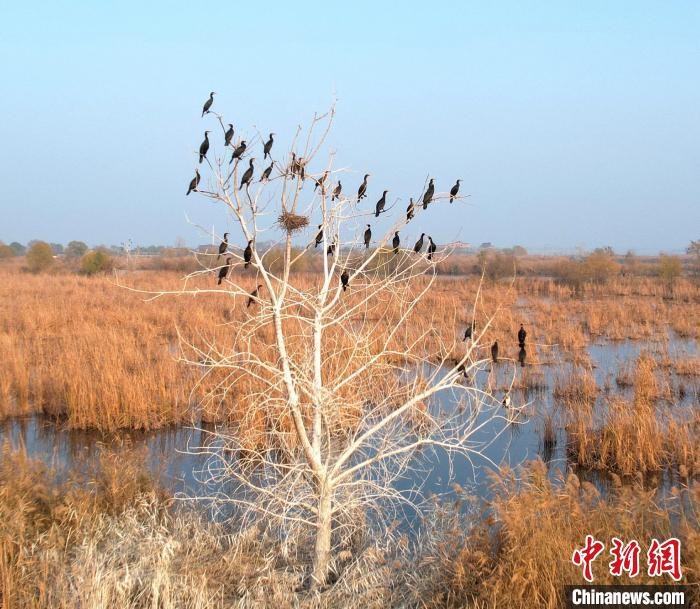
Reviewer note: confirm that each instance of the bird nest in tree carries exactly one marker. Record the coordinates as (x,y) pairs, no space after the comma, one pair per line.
(292,222)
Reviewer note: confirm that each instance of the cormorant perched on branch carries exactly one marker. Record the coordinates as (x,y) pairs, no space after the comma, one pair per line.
(494,352)
(431,248)
(223,246)
(266,174)
(223,271)
(522,354)
(410,211)
(331,250)
(238,151)
(336,192)
(268,146)
(297,166)
(319,236)
(208,103)
(469,331)
(428,196)
(194,182)
(248,175)
(228,136)
(419,244)
(247,254)
(253,296)
(522,335)
(396,242)
(321,182)
(380,205)
(362,190)
(204,147)
(368,236)
(454,191)
(345,279)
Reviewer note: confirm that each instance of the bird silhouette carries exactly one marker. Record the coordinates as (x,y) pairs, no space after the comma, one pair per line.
(248,254)
(253,297)
(431,248)
(248,175)
(268,146)
(454,190)
(522,335)
(468,333)
(223,271)
(223,246)
(419,244)
(345,279)
(321,182)
(368,236)
(362,190)
(336,192)
(238,151)
(522,355)
(494,352)
(319,236)
(266,173)
(228,136)
(410,210)
(380,204)
(194,182)
(428,196)
(208,103)
(204,147)
(396,242)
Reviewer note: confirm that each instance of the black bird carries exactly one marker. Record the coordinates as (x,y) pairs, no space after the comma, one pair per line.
(297,166)
(380,205)
(321,181)
(396,242)
(228,136)
(522,335)
(345,279)
(337,191)
(223,271)
(431,248)
(368,236)
(204,147)
(410,211)
(331,250)
(223,246)
(494,352)
(454,191)
(208,103)
(266,174)
(461,368)
(238,151)
(194,182)
(522,354)
(428,196)
(362,190)
(253,296)
(248,175)
(319,236)
(469,331)
(247,254)
(268,146)
(419,244)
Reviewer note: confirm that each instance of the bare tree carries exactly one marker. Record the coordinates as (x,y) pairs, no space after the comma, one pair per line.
(348,387)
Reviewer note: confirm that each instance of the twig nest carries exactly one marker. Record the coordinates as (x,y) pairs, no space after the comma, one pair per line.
(292,222)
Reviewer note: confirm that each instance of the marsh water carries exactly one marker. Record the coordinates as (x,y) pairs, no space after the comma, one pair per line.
(171,453)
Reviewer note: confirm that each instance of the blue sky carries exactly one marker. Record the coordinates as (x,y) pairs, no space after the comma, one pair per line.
(571,123)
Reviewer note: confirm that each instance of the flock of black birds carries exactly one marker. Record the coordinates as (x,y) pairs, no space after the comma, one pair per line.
(297,168)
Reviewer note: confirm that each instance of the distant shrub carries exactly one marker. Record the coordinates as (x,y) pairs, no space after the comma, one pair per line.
(96,261)
(6,251)
(76,249)
(39,257)
(18,248)
(598,267)
(670,268)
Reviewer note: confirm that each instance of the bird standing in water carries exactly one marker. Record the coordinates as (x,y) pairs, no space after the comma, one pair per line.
(362,190)
(410,210)
(494,352)
(253,296)
(345,279)
(431,248)
(248,175)
(228,136)
(522,335)
(208,103)
(428,196)
(238,151)
(454,191)
(368,236)
(204,147)
(194,182)
(248,254)
(419,244)
(396,242)
(337,191)
(380,204)
(268,146)
(319,236)
(223,246)
(223,271)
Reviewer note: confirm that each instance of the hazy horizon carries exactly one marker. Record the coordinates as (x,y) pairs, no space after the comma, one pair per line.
(570,125)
